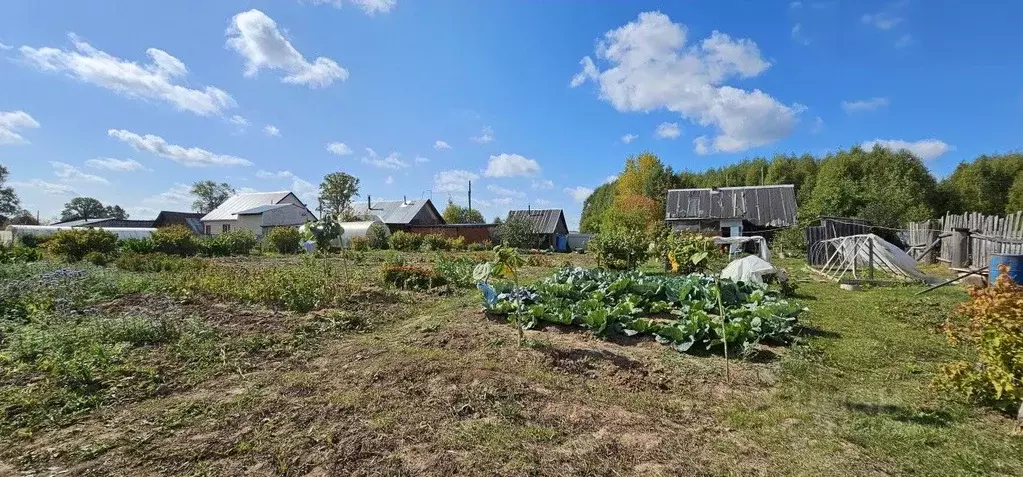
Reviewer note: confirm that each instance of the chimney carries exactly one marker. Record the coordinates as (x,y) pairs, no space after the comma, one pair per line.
(404,200)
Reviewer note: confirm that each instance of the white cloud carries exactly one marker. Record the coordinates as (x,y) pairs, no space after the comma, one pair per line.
(651,67)
(610,179)
(271,130)
(371,152)
(179,195)
(161,80)
(190,156)
(511,165)
(668,131)
(543,202)
(339,149)
(817,126)
(392,161)
(505,192)
(861,105)
(70,173)
(486,135)
(111,164)
(797,35)
(371,7)
(389,180)
(456,180)
(305,190)
(142,211)
(239,121)
(255,36)
(881,20)
(629,138)
(48,188)
(12,121)
(589,71)
(4,46)
(579,193)
(543,184)
(421,160)
(441,145)
(925,149)
(904,41)
(503,201)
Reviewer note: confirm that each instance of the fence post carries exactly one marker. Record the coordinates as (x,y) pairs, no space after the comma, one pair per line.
(960,248)
(931,257)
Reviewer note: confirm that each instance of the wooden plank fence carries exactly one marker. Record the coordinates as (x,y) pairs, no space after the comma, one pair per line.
(989,235)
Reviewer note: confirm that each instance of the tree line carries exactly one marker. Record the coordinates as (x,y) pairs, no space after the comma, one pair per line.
(889,188)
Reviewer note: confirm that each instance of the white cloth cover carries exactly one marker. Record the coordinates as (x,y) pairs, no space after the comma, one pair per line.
(749,269)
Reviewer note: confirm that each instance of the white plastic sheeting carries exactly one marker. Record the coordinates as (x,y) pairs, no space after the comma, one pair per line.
(735,242)
(855,254)
(359,229)
(48,230)
(749,269)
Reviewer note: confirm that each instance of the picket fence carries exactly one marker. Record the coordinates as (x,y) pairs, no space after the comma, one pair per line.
(989,235)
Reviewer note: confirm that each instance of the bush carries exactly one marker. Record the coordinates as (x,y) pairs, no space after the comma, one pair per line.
(479,246)
(457,243)
(518,232)
(394,259)
(74,245)
(176,240)
(359,244)
(238,242)
(19,254)
(154,262)
(411,277)
(404,241)
(619,249)
(283,240)
(789,242)
(435,242)
(377,235)
(99,259)
(30,241)
(995,330)
(456,271)
(136,245)
(685,253)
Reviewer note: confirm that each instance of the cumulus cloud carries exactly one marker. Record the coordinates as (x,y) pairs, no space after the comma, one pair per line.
(668,131)
(881,20)
(179,195)
(511,165)
(421,160)
(862,105)
(48,188)
(389,180)
(117,165)
(543,202)
(486,135)
(817,126)
(926,149)
(188,156)
(579,193)
(256,38)
(371,7)
(456,180)
(629,138)
(161,80)
(651,67)
(271,130)
(339,149)
(797,35)
(441,145)
(70,173)
(505,192)
(13,121)
(392,161)
(305,190)
(543,184)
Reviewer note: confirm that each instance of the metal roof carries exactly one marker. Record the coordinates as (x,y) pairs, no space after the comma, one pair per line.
(394,211)
(243,202)
(81,222)
(765,206)
(545,220)
(263,208)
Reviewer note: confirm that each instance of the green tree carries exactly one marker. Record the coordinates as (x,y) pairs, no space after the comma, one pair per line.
(594,208)
(456,214)
(9,202)
(83,208)
(336,193)
(1015,202)
(209,195)
(518,232)
(115,212)
(983,185)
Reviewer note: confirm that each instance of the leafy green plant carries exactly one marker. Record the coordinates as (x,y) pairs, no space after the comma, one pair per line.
(176,240)
(405,241)
(74,245)
(359,244)
(377,235)
(19,254)
(619,249)
(283,240)
(504,264)
(137,245)
(519,232)
(457,271)
(410,277)
(323,232)
(99,259)
(238,242)
(685,253)
(435,242)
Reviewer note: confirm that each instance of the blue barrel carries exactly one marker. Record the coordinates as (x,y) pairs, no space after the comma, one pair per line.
(1015,263)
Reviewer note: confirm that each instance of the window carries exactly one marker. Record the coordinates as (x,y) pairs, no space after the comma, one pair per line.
(227,228)
(209,230)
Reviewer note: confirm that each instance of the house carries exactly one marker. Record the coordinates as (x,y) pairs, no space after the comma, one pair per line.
(257,212)
(192,220)
(106,223)
(400,214)
(731,211)
(549,226)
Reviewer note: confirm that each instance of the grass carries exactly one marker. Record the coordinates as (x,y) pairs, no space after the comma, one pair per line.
(387,382)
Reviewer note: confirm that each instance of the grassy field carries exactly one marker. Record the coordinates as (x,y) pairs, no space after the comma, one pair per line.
(181,373)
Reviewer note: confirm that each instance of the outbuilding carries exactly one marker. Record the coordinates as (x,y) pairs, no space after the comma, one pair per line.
(731,211)
(548,225)
(257,212)
(400,214)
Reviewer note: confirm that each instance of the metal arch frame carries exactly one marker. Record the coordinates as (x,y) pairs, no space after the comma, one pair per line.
(845,255)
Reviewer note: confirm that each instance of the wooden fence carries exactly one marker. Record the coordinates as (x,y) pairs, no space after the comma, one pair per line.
(989,235)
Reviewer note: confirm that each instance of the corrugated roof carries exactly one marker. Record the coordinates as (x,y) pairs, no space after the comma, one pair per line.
(262,208)
(765,206)
(243,202)
(394,211)
(81,222)
(545,220)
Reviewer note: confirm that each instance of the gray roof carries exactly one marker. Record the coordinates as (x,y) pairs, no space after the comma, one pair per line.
(243,202)
(394,211)
(81,222)
(262,208)
(545,220)
(765,206)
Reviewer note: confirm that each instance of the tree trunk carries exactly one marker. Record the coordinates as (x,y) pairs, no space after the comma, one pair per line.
(1019,418)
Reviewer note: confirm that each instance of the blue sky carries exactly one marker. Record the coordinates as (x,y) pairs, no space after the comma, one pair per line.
(537,102)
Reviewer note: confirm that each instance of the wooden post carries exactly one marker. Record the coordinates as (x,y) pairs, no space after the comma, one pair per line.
(931,257)
(870,259)
(960,248)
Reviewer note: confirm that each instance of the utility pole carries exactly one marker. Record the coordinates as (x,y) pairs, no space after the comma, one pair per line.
(470,195)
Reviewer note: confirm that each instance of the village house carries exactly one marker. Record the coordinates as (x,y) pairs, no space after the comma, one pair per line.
(257,212)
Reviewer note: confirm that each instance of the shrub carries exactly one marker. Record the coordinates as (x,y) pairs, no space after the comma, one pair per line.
(789,242)
(995,330)
(619,249)
(99,259)
(456,271)
(518,232)
(479,246)
(394,259)
(435,242)
(359,244)
(238,242)
(213,247)
(154,262)
(284,240)
(19,254)
(176,240)
(404,241)
(377,235)
(685,253)
(137,245)
(456,243)
(30,241)
(411,277)
(74,245)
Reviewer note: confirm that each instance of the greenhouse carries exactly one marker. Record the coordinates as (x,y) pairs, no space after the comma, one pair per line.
(359,229)
(13,232)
